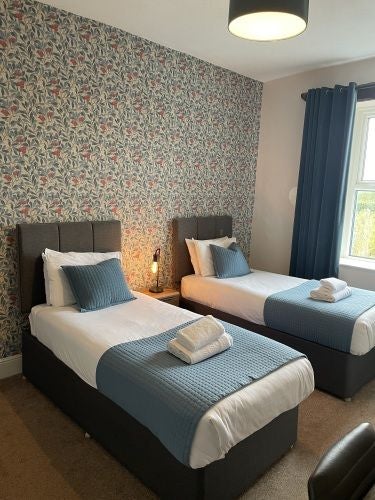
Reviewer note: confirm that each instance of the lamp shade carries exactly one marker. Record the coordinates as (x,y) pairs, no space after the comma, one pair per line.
(155,269)
(267,20)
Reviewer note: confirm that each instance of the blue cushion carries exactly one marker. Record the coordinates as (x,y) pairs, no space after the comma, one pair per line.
(229,262)
(98,286)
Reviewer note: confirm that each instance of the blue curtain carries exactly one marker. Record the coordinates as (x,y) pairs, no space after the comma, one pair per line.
(322,181)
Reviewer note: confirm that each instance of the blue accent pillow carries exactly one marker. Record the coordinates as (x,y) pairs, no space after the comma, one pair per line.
(98,286)
(229,262)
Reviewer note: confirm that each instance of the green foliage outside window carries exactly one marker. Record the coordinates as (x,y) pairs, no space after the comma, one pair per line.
(363,236)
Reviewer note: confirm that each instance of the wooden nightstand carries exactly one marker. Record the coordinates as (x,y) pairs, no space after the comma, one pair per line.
(169,295)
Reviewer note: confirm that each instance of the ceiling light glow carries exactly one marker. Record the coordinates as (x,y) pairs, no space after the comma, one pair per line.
(267,20)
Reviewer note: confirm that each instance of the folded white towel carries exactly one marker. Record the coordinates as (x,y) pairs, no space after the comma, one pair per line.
(319,294)
(333,284)
(200,333)
(219,345)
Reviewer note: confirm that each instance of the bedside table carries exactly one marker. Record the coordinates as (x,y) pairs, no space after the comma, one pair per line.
(169,295)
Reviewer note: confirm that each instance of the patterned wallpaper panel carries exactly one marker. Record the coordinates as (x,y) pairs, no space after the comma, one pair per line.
(97,123)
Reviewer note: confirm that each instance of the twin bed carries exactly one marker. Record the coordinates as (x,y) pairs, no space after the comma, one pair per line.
(241,301)
(234,441)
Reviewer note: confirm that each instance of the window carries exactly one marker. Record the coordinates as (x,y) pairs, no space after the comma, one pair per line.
(359,225)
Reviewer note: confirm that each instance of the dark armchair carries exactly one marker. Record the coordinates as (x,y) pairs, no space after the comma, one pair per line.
(347,470)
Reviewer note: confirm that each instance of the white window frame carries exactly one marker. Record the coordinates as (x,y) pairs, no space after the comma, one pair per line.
(365,110)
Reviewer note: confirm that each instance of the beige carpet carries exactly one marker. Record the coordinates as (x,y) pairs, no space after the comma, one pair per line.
(44,455)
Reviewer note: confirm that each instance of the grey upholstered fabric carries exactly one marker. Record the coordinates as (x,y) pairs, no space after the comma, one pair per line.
(199,228)
(97,236)
(76,237)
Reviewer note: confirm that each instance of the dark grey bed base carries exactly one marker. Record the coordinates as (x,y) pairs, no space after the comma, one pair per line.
(336,372)
(130,442)
(140,451)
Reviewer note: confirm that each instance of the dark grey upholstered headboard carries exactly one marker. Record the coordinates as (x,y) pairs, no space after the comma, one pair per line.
(199,228)
(95,236)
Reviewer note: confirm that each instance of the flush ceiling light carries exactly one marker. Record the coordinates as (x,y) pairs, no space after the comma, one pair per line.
(267,20)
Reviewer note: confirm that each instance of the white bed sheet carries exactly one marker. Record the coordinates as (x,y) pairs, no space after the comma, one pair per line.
(245,297)
(80,339)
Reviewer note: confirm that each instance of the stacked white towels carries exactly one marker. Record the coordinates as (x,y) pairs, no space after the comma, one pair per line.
(331,290)
(200,340)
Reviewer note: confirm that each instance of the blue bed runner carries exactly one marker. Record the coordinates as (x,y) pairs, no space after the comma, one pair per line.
(168,396)
(329,324)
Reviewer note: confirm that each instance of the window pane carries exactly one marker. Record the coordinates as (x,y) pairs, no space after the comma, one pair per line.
(369,169)
(363,232)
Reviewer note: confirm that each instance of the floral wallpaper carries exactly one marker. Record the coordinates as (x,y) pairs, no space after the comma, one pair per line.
(96,123)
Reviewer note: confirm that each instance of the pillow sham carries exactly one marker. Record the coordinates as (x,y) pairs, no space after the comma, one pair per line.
(98,286)
(193,255)
(229,262)
(58,292)
(204,254)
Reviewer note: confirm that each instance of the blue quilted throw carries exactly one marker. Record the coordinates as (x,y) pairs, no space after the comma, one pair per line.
(168,396)
(329,324)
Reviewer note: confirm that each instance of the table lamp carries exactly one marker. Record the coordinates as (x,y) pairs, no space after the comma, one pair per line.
(155,269)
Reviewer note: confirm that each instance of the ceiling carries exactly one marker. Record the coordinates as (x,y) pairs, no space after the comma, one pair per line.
(339,31)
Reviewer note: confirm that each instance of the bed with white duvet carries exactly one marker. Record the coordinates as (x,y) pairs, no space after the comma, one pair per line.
(79,340)
(337,336)
(238,432)
(245,296)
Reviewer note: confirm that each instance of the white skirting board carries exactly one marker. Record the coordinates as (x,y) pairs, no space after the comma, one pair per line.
(10,366)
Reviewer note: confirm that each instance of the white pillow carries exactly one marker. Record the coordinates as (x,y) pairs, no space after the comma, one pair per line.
(204,256)
(193,255)
(58,291)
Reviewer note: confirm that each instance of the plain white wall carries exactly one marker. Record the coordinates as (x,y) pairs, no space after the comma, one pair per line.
(279,155)
(359,277)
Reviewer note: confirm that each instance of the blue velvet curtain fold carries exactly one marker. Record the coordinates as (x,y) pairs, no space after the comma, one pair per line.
(322,182)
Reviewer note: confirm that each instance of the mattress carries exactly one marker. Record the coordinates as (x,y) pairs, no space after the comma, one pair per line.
(80,339)
(245,296)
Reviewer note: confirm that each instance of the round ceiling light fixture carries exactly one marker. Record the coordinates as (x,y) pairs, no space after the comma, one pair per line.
(267,20)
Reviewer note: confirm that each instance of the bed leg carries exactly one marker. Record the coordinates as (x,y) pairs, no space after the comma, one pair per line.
(87,435)
(347,400)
